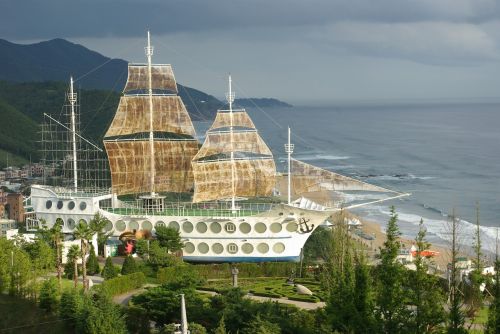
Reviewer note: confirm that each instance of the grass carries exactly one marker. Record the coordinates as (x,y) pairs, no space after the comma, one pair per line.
(270,287)
(23,316)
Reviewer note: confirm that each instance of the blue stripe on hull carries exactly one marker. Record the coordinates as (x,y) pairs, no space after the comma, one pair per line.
(234,259)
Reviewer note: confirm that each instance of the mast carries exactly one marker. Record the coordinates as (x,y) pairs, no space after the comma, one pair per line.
(72,101)
(184,323)
(149,54)
(230,100)
(289,150)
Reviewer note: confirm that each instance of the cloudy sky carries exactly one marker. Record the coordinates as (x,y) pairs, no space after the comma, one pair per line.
(301,51)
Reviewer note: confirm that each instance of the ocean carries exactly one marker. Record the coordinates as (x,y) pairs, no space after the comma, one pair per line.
(446,154)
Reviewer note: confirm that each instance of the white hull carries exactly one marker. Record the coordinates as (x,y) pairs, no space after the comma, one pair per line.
(277,234)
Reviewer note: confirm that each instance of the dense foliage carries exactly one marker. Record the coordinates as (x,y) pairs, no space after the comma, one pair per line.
(122,284)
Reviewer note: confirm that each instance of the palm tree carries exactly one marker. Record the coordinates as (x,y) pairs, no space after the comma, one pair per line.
(97,224)
(84,233)
(73,255)
(56,236)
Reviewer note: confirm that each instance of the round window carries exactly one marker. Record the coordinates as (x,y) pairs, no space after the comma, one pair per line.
(263,248)
(215,227)
(109,226)
(48,204)
(120,226)
(188,228)
(60,204)
(275,228)
(159,223)
(175,225)
(217,248)
(232,248)
(189,247)
(201,227)
(133,225)
(260,227)
(247,248)
(245,228)
(71,205)
(279,247)
(83,206)
(292,227)
(146,225)
(71,224)
(203,248)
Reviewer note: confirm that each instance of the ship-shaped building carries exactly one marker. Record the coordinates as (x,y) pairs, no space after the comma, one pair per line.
(235,213)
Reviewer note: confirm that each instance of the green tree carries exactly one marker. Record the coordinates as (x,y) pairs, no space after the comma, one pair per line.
(142,248)
(260,326)
(169,238)
(98,224)
(109,271)
(195,328)
(129,266)
(92,263)
(456,318)
(84,233)
(473,294)
(317,246)
(221,327)
(49,295)
(74,254)
(70,306)
(391,311)
(99,315)
(160,257)
(363,297)
(493,325)
(426,295)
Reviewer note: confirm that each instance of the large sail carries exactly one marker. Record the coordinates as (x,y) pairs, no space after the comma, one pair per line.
(234,161)
(307,178)
(150,142)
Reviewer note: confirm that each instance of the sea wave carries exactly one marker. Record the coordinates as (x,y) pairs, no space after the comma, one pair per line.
(396,177)
(312,157)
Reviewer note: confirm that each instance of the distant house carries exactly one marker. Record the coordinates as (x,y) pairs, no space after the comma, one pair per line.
(5,225)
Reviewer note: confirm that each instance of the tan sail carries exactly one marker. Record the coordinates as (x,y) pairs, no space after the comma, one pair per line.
(308,178)
(220,142)
(254,178)
(240,119)
(129,162)
(162,78)
(132,116)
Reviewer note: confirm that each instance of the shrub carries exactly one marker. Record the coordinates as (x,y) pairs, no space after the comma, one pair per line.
(49,295)
(129,266)
(122,284)
(92,263)
(109,271)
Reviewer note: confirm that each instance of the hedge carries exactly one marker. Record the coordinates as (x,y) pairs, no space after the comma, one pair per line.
(265,294)
(122,284)
(309,299)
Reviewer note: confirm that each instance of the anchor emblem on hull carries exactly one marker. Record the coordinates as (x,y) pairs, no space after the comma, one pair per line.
(303,227)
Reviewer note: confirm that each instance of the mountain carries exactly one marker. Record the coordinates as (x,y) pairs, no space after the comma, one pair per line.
(57,59)
(261,103)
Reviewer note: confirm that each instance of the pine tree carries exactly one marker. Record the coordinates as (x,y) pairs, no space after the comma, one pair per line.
(474,296)
(109,271)
(493,325)
(49,295)
(169,238)
(221,328)
(426,296)
(92,263)
(391,299)
(363,297)
(129,266)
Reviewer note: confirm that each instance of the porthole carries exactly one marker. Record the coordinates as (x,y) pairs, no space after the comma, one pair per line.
(82,222)
(217,248)
(146,225)
(279,247)
(245,228)
(109,226)
(215,227)
(201,227)
(70,224)
(159,223)
(230,227)
(175,225)
(120,226)
(275,227)
(232,248)
(71,205)
(247,248)
(60,204)
(260,227)
(188,227)
(83,206)
(48,204)
(263,248)
(292,227)
(133,225)
(202,247)
(189,247)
